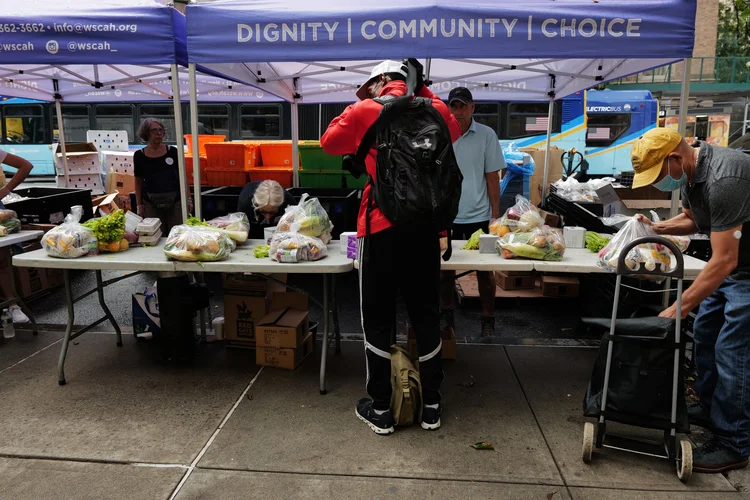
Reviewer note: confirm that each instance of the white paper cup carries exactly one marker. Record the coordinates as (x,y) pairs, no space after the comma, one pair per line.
(218,324)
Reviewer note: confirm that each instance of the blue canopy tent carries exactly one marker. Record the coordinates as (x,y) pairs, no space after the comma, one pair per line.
(530,50)
(104,50)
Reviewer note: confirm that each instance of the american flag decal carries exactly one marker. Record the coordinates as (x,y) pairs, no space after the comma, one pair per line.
(599,133)
(536,124)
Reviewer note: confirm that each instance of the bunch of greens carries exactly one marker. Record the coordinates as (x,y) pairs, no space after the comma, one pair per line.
(109,228)
(596,241)
(261,251)
(473,243)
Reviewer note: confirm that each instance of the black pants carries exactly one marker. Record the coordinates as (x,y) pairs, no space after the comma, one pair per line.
(405,259)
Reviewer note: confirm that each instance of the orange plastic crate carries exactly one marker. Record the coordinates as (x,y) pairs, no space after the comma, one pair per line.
(276,153)
(218,178)
(230,156)
(283,175)
(189,169)
(202,140)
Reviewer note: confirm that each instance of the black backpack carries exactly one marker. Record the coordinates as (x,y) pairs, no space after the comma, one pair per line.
(417,177)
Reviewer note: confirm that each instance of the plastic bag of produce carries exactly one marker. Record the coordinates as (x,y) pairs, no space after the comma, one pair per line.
(70,239)
(9,221)
(308,218)
(109,231)
(648,254)
(198,244)
(237,225)
(521,217)
(296,247)
(543,243)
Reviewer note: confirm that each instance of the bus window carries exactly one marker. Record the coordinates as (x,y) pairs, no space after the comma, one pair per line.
(488,114)
(526,119)
(75,120)
(116,117)
(212,120)
(162,112)
(24,124)
(260,121)
(604,130)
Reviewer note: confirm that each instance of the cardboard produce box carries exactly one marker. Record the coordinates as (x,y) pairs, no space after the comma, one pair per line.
(560,286)
(124,183)
(537,179)
(515,281)
(287,324)
(246,301)
(286,358)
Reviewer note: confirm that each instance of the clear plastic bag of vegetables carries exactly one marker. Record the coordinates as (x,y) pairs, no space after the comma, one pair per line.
(70,239)
(9,221)
(198,244)
(522,217)
(296,247)
(109,231)
(543,243)
(236,226)
(307,218)
(649,255)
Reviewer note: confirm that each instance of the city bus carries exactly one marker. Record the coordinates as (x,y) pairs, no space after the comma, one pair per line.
(28,128)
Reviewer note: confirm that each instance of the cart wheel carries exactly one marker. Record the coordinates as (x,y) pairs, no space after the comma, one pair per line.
(589,431)
(684,460)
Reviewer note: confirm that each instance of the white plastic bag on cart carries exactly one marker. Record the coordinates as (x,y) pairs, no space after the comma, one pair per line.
(70,239)
(650,255)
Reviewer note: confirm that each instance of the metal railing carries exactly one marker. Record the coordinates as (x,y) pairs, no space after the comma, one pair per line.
(705,70)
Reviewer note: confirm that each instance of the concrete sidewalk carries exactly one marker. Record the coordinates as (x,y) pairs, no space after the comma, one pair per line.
(127,427)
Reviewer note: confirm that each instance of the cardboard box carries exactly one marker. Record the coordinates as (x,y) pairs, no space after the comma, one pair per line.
(30,281)
(575,237)
(537,179)
(246,302)
(286,358)
(551,220)
(287,324)
(106,204)
(560,286)
(124,183)
(520,281)
(83,158)
(449,344)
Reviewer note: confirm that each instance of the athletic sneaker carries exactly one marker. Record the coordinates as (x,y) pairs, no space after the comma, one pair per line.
(17,315)
(431,418)
(381,424)
(714,457)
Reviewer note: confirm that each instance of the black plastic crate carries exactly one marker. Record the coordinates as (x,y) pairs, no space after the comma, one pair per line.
(220,201)
(50,205)
(342,205)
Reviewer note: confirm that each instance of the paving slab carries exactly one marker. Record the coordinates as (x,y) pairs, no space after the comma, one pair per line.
(119,403)
(604,494)
(289,427)
(48,479)
(235,485)
(555,381)
(23,345)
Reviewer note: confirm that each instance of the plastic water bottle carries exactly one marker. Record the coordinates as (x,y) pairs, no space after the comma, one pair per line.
(9,330)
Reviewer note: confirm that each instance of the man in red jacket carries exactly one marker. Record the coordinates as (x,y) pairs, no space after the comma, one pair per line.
(393,258)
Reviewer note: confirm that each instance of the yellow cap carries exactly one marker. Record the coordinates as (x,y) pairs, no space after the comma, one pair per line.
(650,151)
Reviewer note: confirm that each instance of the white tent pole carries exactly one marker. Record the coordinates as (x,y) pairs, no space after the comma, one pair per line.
(61,134)
(682,124)
(550,112)
(295,143)
(178,132)
(194,135)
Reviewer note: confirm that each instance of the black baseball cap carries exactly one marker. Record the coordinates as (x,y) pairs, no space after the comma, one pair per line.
(460,94)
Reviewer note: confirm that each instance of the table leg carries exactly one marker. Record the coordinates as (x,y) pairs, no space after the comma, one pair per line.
(17,297)
(103,305)
(324,350)
(335,315)
(68,328)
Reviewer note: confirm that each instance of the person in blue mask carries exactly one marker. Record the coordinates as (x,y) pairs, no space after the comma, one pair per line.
(714,184)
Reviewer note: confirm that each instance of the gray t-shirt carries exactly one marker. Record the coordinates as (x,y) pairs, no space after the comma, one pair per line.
(719,197)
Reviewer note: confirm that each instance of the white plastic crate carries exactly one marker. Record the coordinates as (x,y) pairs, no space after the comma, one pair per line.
(108,140)
(120,162)
(92,182)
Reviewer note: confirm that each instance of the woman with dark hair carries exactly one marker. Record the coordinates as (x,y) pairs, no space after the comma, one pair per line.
(157,178)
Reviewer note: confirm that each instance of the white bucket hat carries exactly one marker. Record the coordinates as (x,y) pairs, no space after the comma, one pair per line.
(381,69)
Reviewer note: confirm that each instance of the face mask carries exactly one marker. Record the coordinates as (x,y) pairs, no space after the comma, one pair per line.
(669,183)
